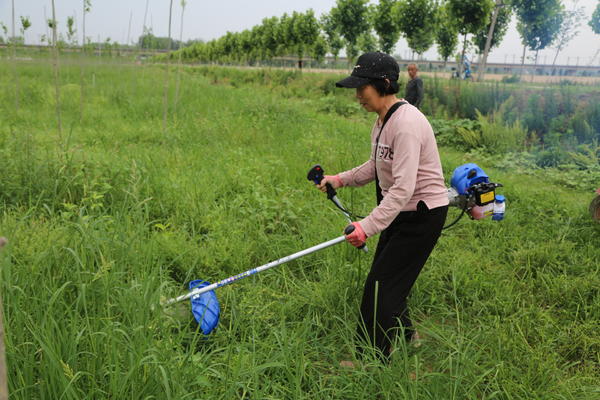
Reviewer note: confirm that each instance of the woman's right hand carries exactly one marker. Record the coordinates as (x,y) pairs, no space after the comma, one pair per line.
(334,180)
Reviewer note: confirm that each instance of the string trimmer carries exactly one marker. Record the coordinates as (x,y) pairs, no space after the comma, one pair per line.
(205,305)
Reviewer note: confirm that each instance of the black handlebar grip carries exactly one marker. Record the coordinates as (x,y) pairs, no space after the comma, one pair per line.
(348,230)
(316,174)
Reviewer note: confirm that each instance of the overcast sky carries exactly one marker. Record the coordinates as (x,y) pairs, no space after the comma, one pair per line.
(211,19)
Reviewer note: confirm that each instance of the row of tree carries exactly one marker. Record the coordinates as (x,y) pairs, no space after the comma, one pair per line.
(357,26)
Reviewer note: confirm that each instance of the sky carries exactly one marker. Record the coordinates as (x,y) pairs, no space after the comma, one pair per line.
(211,19)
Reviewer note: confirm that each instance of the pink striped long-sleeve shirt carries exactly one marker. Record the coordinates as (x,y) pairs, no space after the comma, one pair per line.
(408,167)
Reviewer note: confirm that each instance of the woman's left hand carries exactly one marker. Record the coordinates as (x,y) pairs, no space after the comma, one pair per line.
(358,237)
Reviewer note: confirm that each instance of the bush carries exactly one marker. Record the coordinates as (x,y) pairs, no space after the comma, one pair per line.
(514,78)
(494,135)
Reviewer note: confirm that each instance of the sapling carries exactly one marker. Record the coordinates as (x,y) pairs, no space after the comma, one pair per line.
(3,377)
(25,24)
(180,54)
(87,5)
(14,56)
(56,70)
(166,89)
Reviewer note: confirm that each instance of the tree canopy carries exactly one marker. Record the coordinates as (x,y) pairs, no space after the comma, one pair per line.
(416,20)
(538,21)
(595,21)
(384,24)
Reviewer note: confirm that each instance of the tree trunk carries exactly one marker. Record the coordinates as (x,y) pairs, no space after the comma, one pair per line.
(3,369)
(56,73)
(462,57)
(595,55)
(14,56)
(180,57)
(534,64)
(523,60)
(488,42)
(81,80)
(166,87)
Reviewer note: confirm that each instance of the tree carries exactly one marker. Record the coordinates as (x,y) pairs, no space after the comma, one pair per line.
(71,30)
(5,30)
(87,7)
(470,17)
(538,23)
(595,21)
(492,35)
(332,35)
(319,49)
(568,29)
(52,25)
(149,41)
(595,25)
(269,39)
(416,20)
(304,33)
(446,34)
(367,42)
(351,16)
(25,24)
(384,24)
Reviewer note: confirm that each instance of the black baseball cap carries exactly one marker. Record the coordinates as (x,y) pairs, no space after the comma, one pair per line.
(372,65)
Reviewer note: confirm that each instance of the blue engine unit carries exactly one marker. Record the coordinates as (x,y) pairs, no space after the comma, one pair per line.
(466,176)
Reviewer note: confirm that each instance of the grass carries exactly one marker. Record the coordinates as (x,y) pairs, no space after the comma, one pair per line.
(115,215)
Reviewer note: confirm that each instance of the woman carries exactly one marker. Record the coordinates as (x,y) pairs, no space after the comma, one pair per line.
(412,199)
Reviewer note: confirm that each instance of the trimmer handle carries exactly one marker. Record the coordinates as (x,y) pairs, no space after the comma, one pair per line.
(316,174)
(348,230)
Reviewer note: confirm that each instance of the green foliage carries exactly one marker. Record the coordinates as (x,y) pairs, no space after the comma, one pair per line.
(304,33)
(367,42)
(447,131)
(595,21)
(351,16)
(297,34)
(571,21)
(416,20)
(25,24)
(502,22)
(538,21)
(385,25)
(446,34)
(71,29)
(470,16)
(514,78)
(494,135)
(332,33)
(151,42)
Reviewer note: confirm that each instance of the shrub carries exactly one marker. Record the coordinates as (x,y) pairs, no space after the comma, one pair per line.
(514,78)
(494,135)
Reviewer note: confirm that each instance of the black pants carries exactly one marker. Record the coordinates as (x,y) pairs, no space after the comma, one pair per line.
(401,253)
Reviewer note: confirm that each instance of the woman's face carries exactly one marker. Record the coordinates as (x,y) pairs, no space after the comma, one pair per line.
(368,98)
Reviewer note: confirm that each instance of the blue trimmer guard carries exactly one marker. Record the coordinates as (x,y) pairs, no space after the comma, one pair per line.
(205,307)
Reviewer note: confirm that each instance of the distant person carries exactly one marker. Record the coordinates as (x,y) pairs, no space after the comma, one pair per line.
(414,88)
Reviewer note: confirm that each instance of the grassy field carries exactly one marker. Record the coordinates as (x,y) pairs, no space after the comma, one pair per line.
(113,213)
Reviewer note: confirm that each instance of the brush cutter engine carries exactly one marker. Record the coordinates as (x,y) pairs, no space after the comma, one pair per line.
(473,193)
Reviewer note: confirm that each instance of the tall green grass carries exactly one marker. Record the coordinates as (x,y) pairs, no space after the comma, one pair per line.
(113,216)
